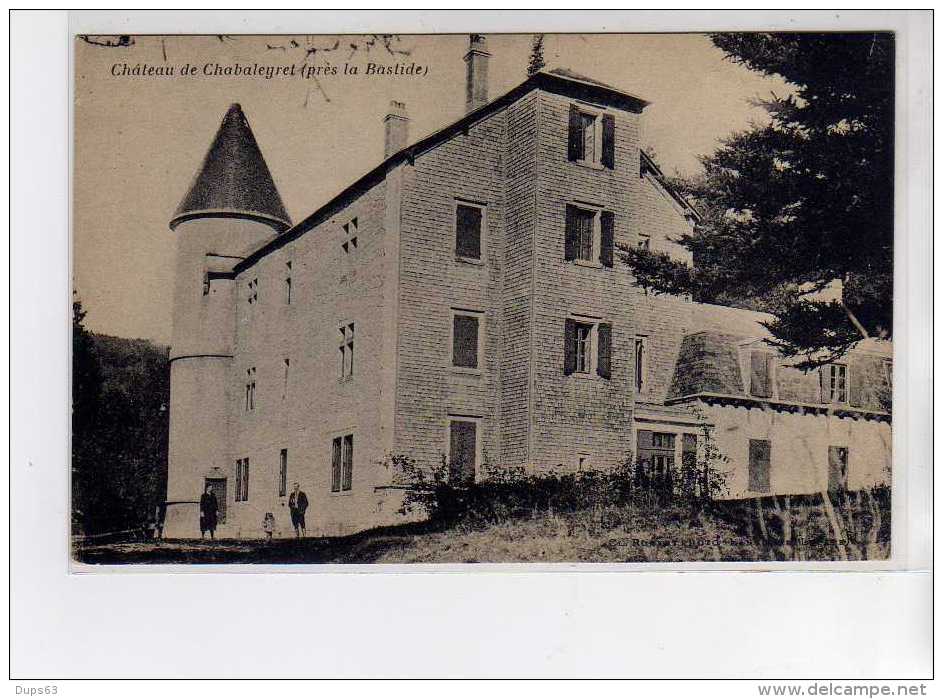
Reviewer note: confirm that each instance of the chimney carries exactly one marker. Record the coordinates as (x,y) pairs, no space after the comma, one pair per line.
(476,73)
(396,129)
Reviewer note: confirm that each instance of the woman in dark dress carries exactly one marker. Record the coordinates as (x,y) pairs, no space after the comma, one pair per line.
(209,508)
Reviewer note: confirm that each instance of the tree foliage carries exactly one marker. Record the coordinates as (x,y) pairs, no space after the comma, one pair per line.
(120,394)
(791,206)
(536,61)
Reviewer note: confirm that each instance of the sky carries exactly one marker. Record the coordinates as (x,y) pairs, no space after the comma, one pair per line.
(139,140)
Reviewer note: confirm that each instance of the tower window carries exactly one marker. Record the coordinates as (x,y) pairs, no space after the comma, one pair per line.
(283,473)
(242,480)
(342,463)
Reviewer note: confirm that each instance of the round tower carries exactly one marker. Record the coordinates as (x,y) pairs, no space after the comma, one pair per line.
(231,207)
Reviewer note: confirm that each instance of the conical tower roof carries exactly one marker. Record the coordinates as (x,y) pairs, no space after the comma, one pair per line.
(234,180)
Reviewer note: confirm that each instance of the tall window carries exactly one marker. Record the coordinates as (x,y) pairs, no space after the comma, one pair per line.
(242,480)
(759,465)
(639,363)
(463,450)
(584,348)
(835,383)
(342,463)
(250,388)
(285,381)
(253,293)
(587,347)
(346,350)
(469,226)
(283,472)
(589,235)
(591,138)
(288,282)
(349,242)
(837,468)
(466,339)
(585,234)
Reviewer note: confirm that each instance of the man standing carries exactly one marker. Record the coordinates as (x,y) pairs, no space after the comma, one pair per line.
(297,504)
(209,509)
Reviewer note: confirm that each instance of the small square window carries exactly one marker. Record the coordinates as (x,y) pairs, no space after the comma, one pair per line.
(349,242)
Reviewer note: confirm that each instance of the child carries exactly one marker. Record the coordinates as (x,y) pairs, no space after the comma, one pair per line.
(268,526)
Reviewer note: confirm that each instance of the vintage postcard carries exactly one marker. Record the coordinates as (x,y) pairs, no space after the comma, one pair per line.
(483,298)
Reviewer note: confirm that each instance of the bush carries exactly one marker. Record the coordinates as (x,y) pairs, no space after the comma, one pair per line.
(509,492)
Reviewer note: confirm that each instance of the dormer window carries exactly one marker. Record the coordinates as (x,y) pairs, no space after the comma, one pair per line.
(834,379)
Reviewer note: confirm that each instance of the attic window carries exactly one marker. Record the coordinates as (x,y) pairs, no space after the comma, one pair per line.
(834,383)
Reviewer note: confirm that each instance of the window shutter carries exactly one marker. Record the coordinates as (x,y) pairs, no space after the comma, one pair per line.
(644,446)
(604,365)
(569,346)
(824,383)
(574,142)
(857,388)
(570,242)
(759,374)
(608,141)
(606,237)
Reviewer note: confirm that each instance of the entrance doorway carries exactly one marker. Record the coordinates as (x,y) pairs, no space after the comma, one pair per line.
(219,490)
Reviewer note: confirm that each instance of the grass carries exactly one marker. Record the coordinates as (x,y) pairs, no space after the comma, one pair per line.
(599,535)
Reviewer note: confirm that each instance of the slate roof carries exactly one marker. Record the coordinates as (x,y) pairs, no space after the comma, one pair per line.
(559,81)
(234,179)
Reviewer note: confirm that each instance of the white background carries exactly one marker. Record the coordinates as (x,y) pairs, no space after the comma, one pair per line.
(489,622)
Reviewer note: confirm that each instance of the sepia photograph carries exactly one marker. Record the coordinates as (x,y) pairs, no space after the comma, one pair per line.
(482,298)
